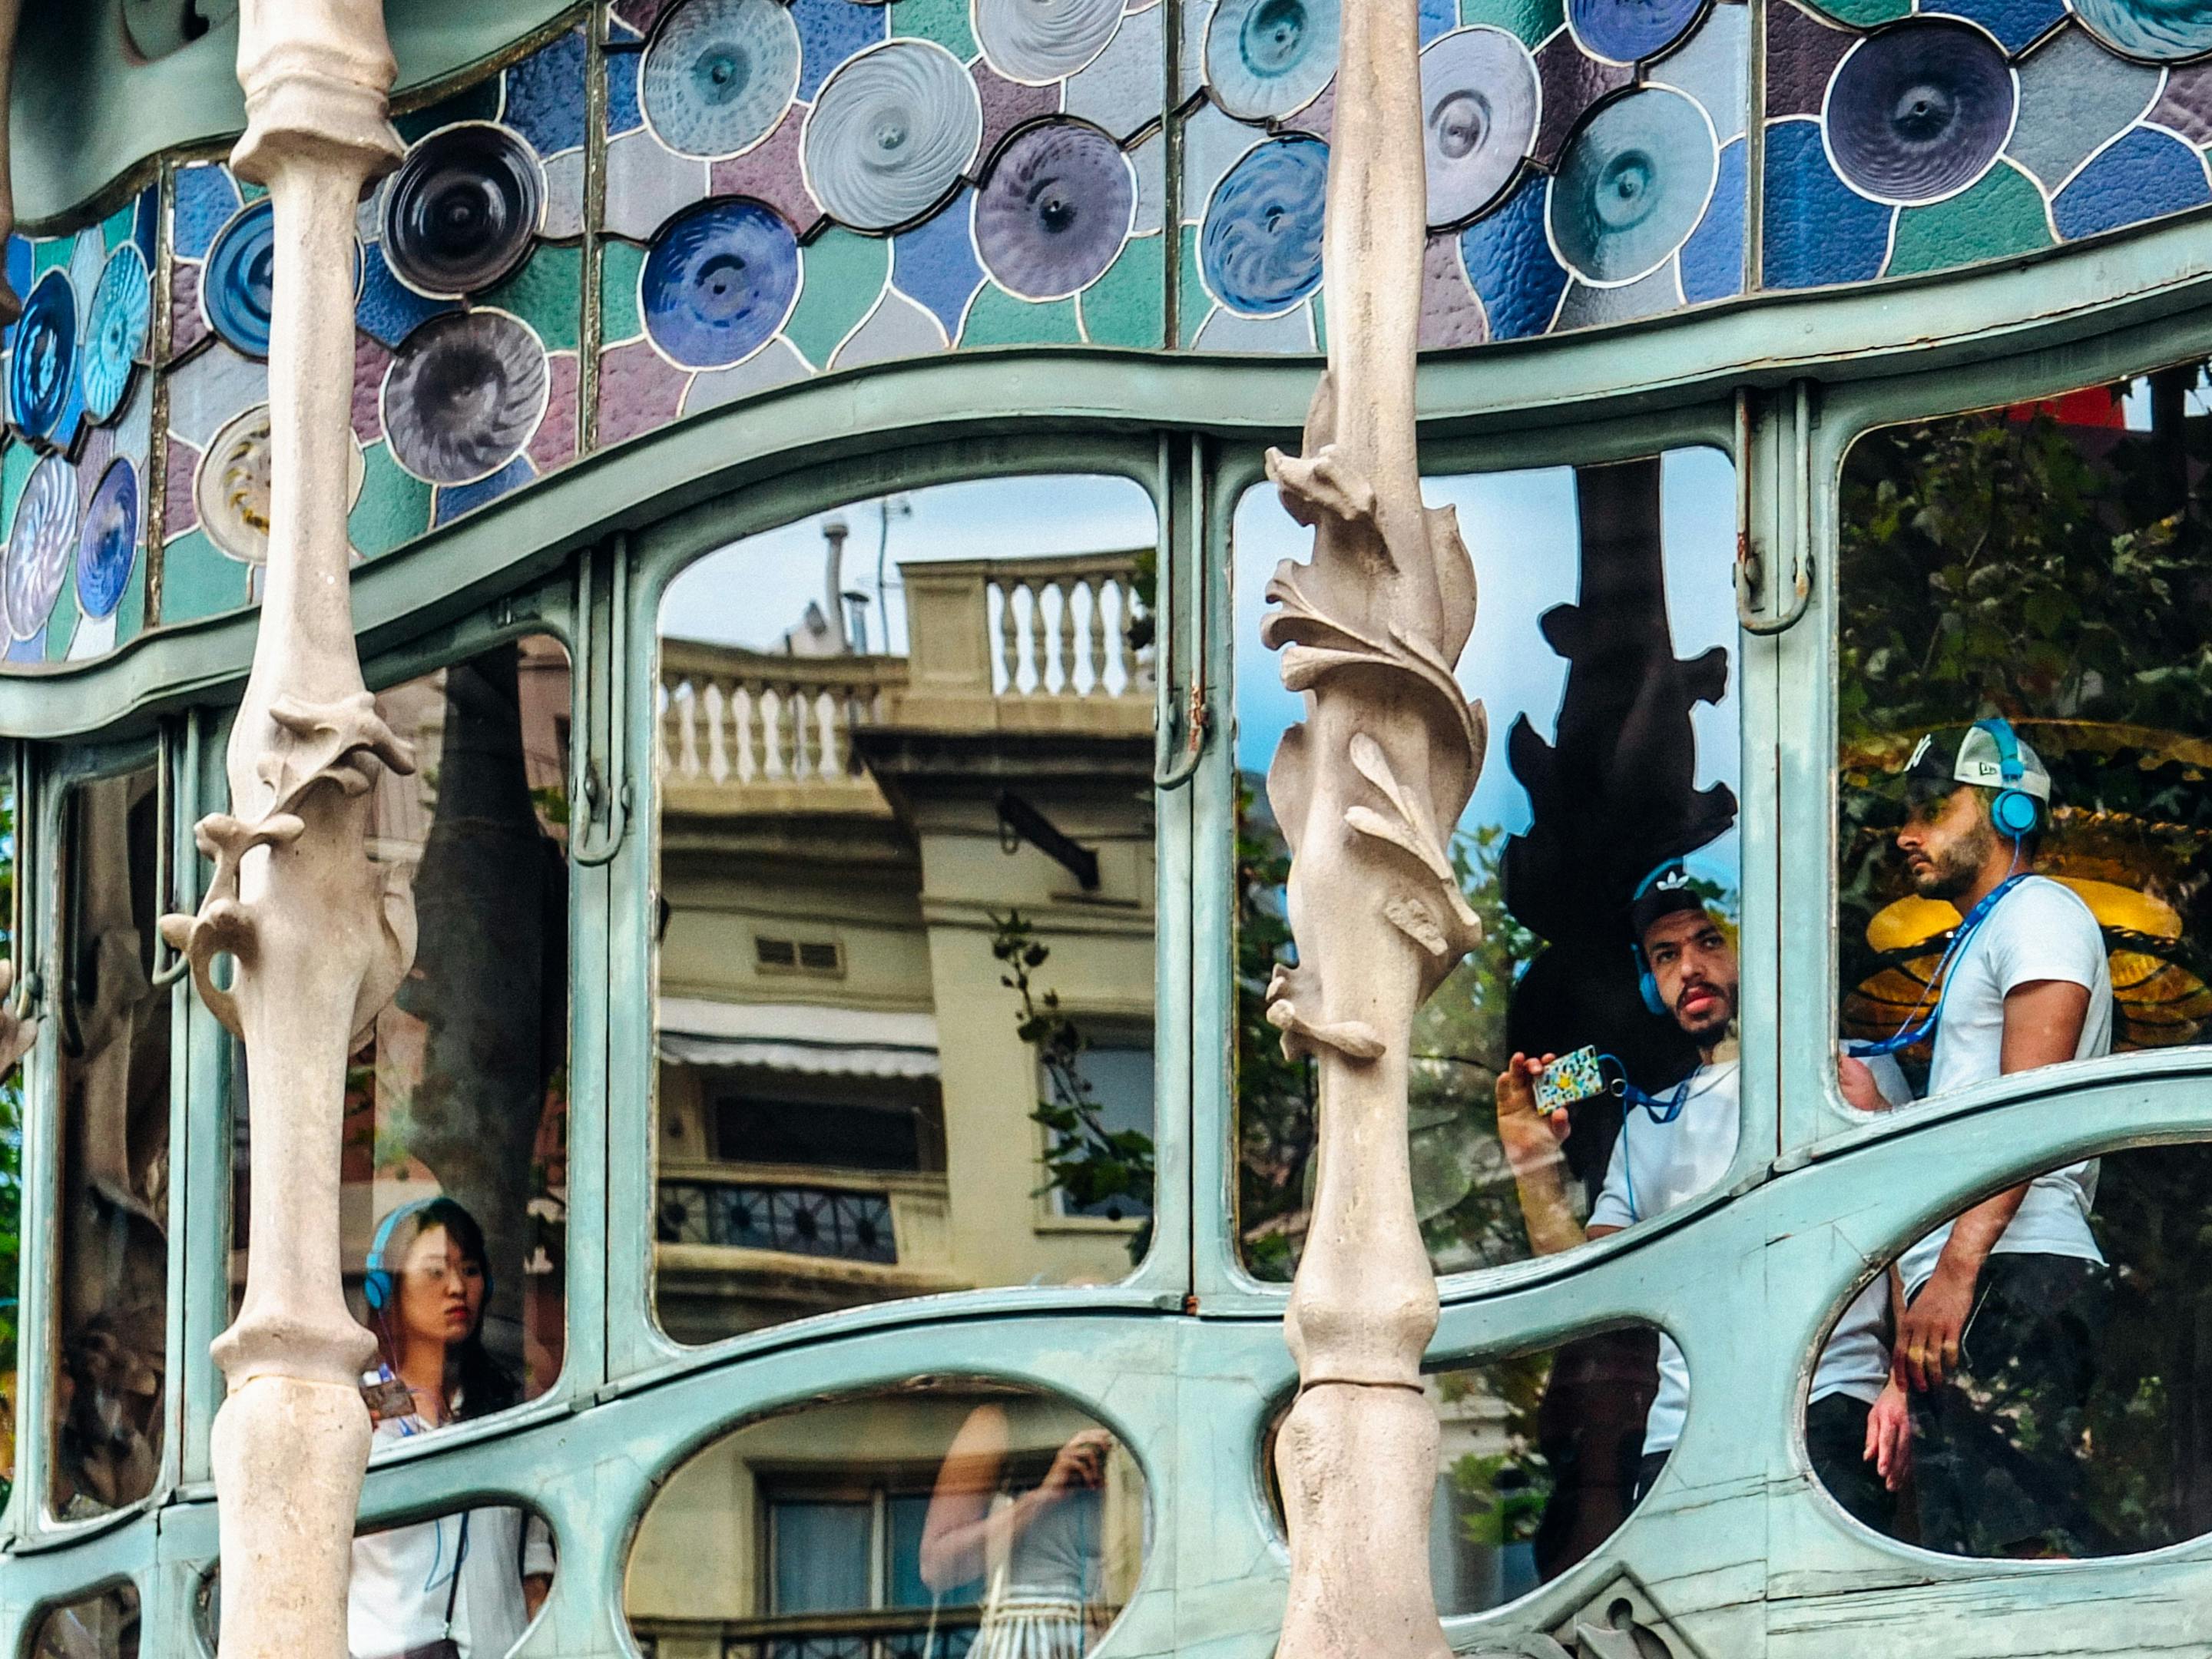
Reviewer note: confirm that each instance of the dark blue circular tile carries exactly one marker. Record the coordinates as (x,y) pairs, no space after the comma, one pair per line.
(1919,111)
(45,360)
(719,75)
(1270,58)
(1633,183)
(39,546)
(241,275)
(108,544)
(117,325)
(718,282)
(464,394)
(1630,31)
(462,210)
(2163,31)
(1055,210)
(1260,247)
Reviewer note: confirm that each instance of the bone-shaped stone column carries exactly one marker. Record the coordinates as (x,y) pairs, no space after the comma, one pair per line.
(316,940)
(1367,790)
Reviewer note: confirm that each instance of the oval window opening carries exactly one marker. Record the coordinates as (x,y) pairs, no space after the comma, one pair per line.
(2067,1424)
(953,1518)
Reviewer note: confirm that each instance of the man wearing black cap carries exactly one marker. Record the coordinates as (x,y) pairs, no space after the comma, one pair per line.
(2006,1305)
(1670,1150)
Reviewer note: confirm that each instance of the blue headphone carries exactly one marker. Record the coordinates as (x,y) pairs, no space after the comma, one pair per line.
(2013,811)
(377,1283)
(1647,982)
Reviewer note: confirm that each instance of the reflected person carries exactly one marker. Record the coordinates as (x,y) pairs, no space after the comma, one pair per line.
(2006,1303)
(1040,1554)
(1671,1149)
(460,1586)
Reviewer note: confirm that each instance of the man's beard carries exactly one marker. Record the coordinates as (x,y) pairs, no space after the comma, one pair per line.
(1952,870)
(1712,1026)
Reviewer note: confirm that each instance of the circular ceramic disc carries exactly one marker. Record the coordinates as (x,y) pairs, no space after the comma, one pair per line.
(1041,40)
(116,326)
(464,394)
(890,133)
(38,547)
(1269,57)
(232,490)
(462,210)
(45,360)
(1055,210)
(1479,105)
(2163,31)
(718,281)
(240,272)
(1260,247)
(1919,112)
(720,74)
(1631,185)
(1630,31)
(108,544)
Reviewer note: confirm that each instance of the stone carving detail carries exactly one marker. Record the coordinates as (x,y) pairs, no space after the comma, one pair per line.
(1367,789)
(318,940)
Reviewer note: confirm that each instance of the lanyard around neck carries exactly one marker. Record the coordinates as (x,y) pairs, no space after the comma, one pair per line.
(1939,982)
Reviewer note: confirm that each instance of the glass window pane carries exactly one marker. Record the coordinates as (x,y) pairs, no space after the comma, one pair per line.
(454,1194)
(905,868)
(2021,739)
(909,1526)
(103,1626)
(110,1380)
(11,1168)
(1600,840)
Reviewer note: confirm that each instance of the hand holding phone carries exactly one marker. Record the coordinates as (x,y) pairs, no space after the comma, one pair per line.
(1569,1078)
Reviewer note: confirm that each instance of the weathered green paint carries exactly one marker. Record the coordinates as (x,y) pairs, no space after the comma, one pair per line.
(2004,214)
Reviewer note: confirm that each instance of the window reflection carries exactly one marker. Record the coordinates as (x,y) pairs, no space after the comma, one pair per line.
(11,1166)
(474,1579)
(953,1519)
(104,1626)
(2066,1422)
(110,1376)
(1603,649)
(456,1123)
(905,963)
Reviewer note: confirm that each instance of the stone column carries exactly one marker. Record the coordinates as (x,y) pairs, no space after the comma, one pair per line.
(317,944)
(1367,790)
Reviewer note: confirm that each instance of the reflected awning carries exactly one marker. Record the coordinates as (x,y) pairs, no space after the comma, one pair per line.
(798,1036)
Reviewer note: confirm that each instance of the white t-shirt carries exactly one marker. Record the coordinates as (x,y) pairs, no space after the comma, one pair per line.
(402,1577)
(1658,1167)
(2039,930)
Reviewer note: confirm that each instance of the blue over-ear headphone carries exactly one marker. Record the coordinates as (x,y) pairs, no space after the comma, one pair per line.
(2012,810)
(377,1280)
(1647,982)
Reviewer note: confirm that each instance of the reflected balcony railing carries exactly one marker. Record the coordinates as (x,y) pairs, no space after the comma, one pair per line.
(866,1218)
(1043,645)
(893,1633)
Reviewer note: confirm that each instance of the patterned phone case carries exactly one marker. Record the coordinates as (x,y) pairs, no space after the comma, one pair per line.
(1567,1079)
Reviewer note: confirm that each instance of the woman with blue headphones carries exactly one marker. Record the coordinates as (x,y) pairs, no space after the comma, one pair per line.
(460,1586)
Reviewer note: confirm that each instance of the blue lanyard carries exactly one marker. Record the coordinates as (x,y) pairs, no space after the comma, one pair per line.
(1661,1112)
(1940,982)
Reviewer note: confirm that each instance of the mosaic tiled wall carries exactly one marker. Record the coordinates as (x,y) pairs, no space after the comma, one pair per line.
(781,188)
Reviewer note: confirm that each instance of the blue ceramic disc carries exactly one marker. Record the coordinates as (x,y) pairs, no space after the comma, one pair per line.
(891,134)
(720,74)
(718,281)
(1055,210)
(107,544)
(1038,41)
(464,394)
(2163,31)
(461,212)
(1919,111)
(1269,57)
(1632,185)
(236,286)
(1479,105)
(39,546)
(1260,247)
(1630,31)
(116,326)
(45,360)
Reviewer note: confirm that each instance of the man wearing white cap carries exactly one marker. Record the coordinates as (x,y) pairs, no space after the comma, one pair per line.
(2006,1305)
